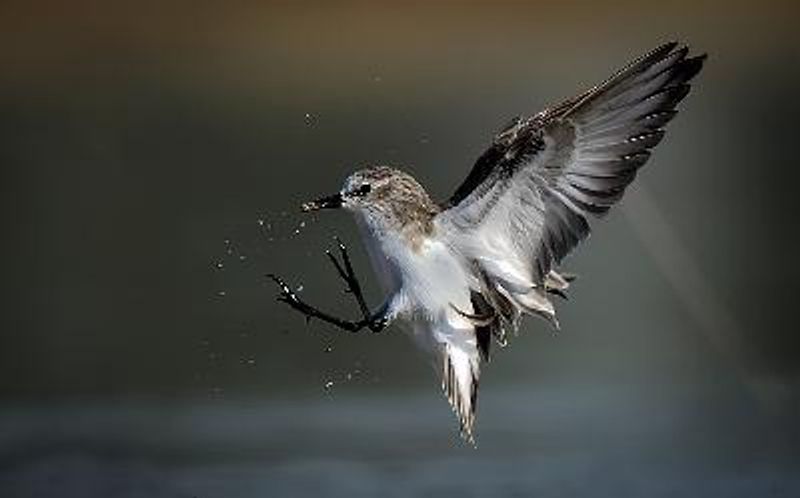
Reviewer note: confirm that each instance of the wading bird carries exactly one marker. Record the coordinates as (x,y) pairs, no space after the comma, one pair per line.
(463,272)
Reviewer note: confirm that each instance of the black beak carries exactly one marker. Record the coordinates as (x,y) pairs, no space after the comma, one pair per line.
(330,202)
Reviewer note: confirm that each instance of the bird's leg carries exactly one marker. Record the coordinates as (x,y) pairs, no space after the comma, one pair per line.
(289,297)
(375,323)
(345,270)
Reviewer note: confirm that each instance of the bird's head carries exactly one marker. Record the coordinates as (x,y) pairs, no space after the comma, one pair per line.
(360,189)
(380,192)
(372,188)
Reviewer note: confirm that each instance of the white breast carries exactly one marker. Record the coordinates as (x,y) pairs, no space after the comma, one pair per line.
(424,281)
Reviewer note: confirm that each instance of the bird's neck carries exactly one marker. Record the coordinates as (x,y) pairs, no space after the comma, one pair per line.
(409,219)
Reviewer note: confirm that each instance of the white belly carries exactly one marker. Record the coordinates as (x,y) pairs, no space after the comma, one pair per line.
(424,283)
(433,279)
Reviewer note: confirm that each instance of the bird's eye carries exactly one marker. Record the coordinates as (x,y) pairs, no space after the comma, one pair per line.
(362,190)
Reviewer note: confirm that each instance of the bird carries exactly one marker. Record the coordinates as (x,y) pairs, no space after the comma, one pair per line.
(460,274)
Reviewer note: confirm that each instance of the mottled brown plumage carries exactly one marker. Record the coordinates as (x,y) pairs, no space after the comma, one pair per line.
(397,201)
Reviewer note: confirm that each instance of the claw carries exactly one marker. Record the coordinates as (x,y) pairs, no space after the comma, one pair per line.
(339,243)
(284,287)
(377,325)
(345,270)
(287,295)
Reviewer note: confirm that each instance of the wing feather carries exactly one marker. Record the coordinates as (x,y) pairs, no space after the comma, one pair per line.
(527,200)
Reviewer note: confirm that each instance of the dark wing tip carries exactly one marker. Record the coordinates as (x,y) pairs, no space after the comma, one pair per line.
(687,66)
(662,50)
(691,66)
(652,57)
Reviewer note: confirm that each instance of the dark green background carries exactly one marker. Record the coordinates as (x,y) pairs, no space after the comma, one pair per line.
(137,138)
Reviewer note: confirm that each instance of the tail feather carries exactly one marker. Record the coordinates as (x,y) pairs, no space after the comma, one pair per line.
(463,346)
(460,378)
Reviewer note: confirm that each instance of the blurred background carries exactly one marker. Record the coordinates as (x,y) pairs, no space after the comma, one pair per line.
(153,158)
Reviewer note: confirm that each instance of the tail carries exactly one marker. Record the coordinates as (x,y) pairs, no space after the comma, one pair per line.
(460,371)
(462,344)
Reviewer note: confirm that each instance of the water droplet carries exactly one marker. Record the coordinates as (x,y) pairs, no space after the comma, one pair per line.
(424,140)
(309,118)
(299,288)
(328,385)
(328,349)
(219,265)
(242,257)
(227,242)
(302,224)
(221,293)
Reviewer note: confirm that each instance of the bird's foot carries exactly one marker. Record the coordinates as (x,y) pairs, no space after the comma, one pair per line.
(344,268)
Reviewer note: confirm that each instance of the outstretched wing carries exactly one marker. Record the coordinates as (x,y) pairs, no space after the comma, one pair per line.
(526,202)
